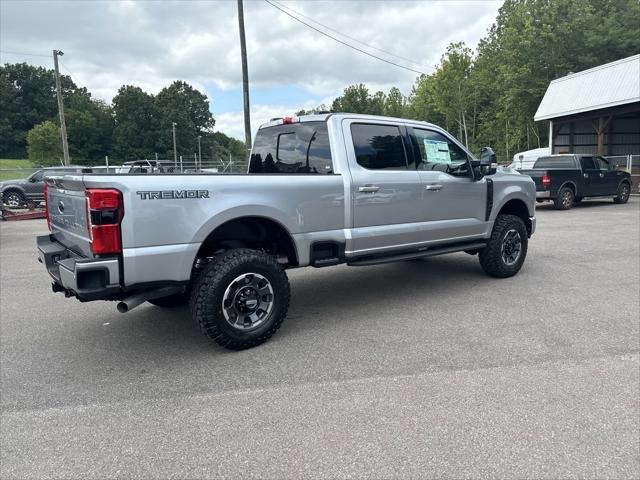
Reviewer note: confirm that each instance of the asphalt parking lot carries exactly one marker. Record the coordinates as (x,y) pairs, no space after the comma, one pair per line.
(414,369)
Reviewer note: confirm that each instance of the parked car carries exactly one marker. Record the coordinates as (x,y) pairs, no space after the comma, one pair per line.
(321,190)
(19,192)
(148,166)
(567,179)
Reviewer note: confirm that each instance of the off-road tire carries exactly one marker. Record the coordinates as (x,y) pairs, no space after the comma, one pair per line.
(565,199)
(491,258)
(622,196)
(13,198)
(171,301)
(209,289)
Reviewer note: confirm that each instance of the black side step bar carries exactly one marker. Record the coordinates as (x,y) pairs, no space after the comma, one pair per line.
(432,252)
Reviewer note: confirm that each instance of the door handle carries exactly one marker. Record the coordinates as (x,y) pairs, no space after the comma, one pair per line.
(369,189)
(434,187)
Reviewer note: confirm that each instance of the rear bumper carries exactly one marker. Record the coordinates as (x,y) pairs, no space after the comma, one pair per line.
(85,278)
(543,194)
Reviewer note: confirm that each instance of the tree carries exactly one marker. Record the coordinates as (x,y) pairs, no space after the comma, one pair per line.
(44,144)
(27,98)
(355,99)
(189,109)
(136,133)
(90,126)
(395,103)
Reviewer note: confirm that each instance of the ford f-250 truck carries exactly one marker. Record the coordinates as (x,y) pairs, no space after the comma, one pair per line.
(321,190)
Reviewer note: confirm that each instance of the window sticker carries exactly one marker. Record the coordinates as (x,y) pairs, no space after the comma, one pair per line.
(437,151)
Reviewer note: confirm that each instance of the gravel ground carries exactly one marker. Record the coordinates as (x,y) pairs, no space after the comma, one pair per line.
(414,369)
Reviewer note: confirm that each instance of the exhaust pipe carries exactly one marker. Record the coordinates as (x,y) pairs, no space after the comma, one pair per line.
(133,301)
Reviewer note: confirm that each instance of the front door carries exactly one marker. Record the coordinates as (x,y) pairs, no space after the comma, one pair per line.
(385,188)
(34,187)
(591,183)
(453,203)
(609,177)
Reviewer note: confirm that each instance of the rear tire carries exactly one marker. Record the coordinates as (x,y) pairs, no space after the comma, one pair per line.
(622,196)
(507,248)
(241,298)
(564,200)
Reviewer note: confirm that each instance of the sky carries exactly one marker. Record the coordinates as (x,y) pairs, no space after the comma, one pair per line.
(152,43)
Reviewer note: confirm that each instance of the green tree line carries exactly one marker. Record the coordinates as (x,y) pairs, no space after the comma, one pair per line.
(489,96)
(136,125)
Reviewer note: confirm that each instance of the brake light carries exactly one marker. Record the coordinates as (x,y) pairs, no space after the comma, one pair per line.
(104,214)
(287,120)
(46,205)
(546,180)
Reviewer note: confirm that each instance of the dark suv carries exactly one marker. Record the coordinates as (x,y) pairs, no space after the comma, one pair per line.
(19,192)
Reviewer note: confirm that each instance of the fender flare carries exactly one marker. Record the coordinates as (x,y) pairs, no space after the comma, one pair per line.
(572,183)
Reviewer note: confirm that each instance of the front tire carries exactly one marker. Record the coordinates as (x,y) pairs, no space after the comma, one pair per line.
(622,196)
(241,298)
(565,198)
(14,198)
(507,248)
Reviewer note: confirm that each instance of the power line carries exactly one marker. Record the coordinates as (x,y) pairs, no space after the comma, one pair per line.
(348,36)
(24,53)
(71,75)
(345,43)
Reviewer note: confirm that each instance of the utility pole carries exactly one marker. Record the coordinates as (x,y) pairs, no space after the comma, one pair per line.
(199,151)
(63,125)
(175,151)
(245,78)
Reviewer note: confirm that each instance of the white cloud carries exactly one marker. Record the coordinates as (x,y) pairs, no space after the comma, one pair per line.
(150,44)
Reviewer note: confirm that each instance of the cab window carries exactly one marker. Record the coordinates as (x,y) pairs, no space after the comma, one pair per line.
(38,176)
(587,163)
(602,164)
(378,147)
(437,152)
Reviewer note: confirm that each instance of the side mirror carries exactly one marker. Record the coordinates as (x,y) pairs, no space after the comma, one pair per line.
(487,157)
(483,166)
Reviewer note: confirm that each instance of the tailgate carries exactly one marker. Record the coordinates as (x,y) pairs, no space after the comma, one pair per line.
(67,209)
(536,176)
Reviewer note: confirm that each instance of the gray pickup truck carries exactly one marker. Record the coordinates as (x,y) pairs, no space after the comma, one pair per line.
(321,190)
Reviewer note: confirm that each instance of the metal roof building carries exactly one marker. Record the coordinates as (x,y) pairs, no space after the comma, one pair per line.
(595,111)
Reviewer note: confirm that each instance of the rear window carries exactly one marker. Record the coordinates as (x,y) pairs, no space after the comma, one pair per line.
(295,148)
(555,162)
(378,147)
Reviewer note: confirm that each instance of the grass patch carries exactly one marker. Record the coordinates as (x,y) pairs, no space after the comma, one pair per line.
(15,163)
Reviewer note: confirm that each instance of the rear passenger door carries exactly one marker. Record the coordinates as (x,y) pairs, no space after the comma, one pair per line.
(385,188)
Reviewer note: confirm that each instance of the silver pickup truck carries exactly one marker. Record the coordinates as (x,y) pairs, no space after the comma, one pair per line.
(321,190)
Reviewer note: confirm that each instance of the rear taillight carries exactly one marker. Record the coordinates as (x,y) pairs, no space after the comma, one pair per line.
(104,214)
(546,180)
(46,205)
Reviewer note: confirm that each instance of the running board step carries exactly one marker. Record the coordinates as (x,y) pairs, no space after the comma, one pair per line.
(432,252)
